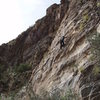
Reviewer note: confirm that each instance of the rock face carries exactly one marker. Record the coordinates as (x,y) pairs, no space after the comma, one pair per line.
(36,38)
(30,46)
(54,68)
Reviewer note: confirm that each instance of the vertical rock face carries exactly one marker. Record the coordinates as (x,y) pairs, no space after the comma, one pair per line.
(23,47)
(70,66)
(30,46)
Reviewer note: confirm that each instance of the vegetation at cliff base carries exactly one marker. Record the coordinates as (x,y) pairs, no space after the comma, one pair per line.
(54,95)
(94,41)
(22,68)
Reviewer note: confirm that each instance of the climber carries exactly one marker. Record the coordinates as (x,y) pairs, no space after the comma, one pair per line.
(61,41)
(62,44)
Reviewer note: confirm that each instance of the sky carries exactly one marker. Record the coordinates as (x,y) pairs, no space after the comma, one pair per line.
(17,15)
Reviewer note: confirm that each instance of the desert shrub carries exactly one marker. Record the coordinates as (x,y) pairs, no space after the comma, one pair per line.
(85,19)
(94,41)
(98,4)
(70,95)
(22,68)
(81,26)
(96,70)
(81,69)
(56,95)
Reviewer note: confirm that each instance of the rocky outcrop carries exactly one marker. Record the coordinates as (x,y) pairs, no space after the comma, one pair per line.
(30,46)
(69,67)
(24,46)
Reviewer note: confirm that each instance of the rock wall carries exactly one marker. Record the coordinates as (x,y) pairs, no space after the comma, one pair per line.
(69,67)
(22,48)
(30,46)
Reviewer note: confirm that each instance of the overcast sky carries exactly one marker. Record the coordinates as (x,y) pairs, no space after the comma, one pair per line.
(17,15)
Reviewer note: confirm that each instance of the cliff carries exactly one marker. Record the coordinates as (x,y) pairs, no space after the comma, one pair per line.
(52,67)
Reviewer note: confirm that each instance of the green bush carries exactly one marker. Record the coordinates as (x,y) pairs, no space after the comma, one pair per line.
(96,70)
(98,4)
(81,69)
(94,41)
(22,68)
(85,19)
(81,27)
